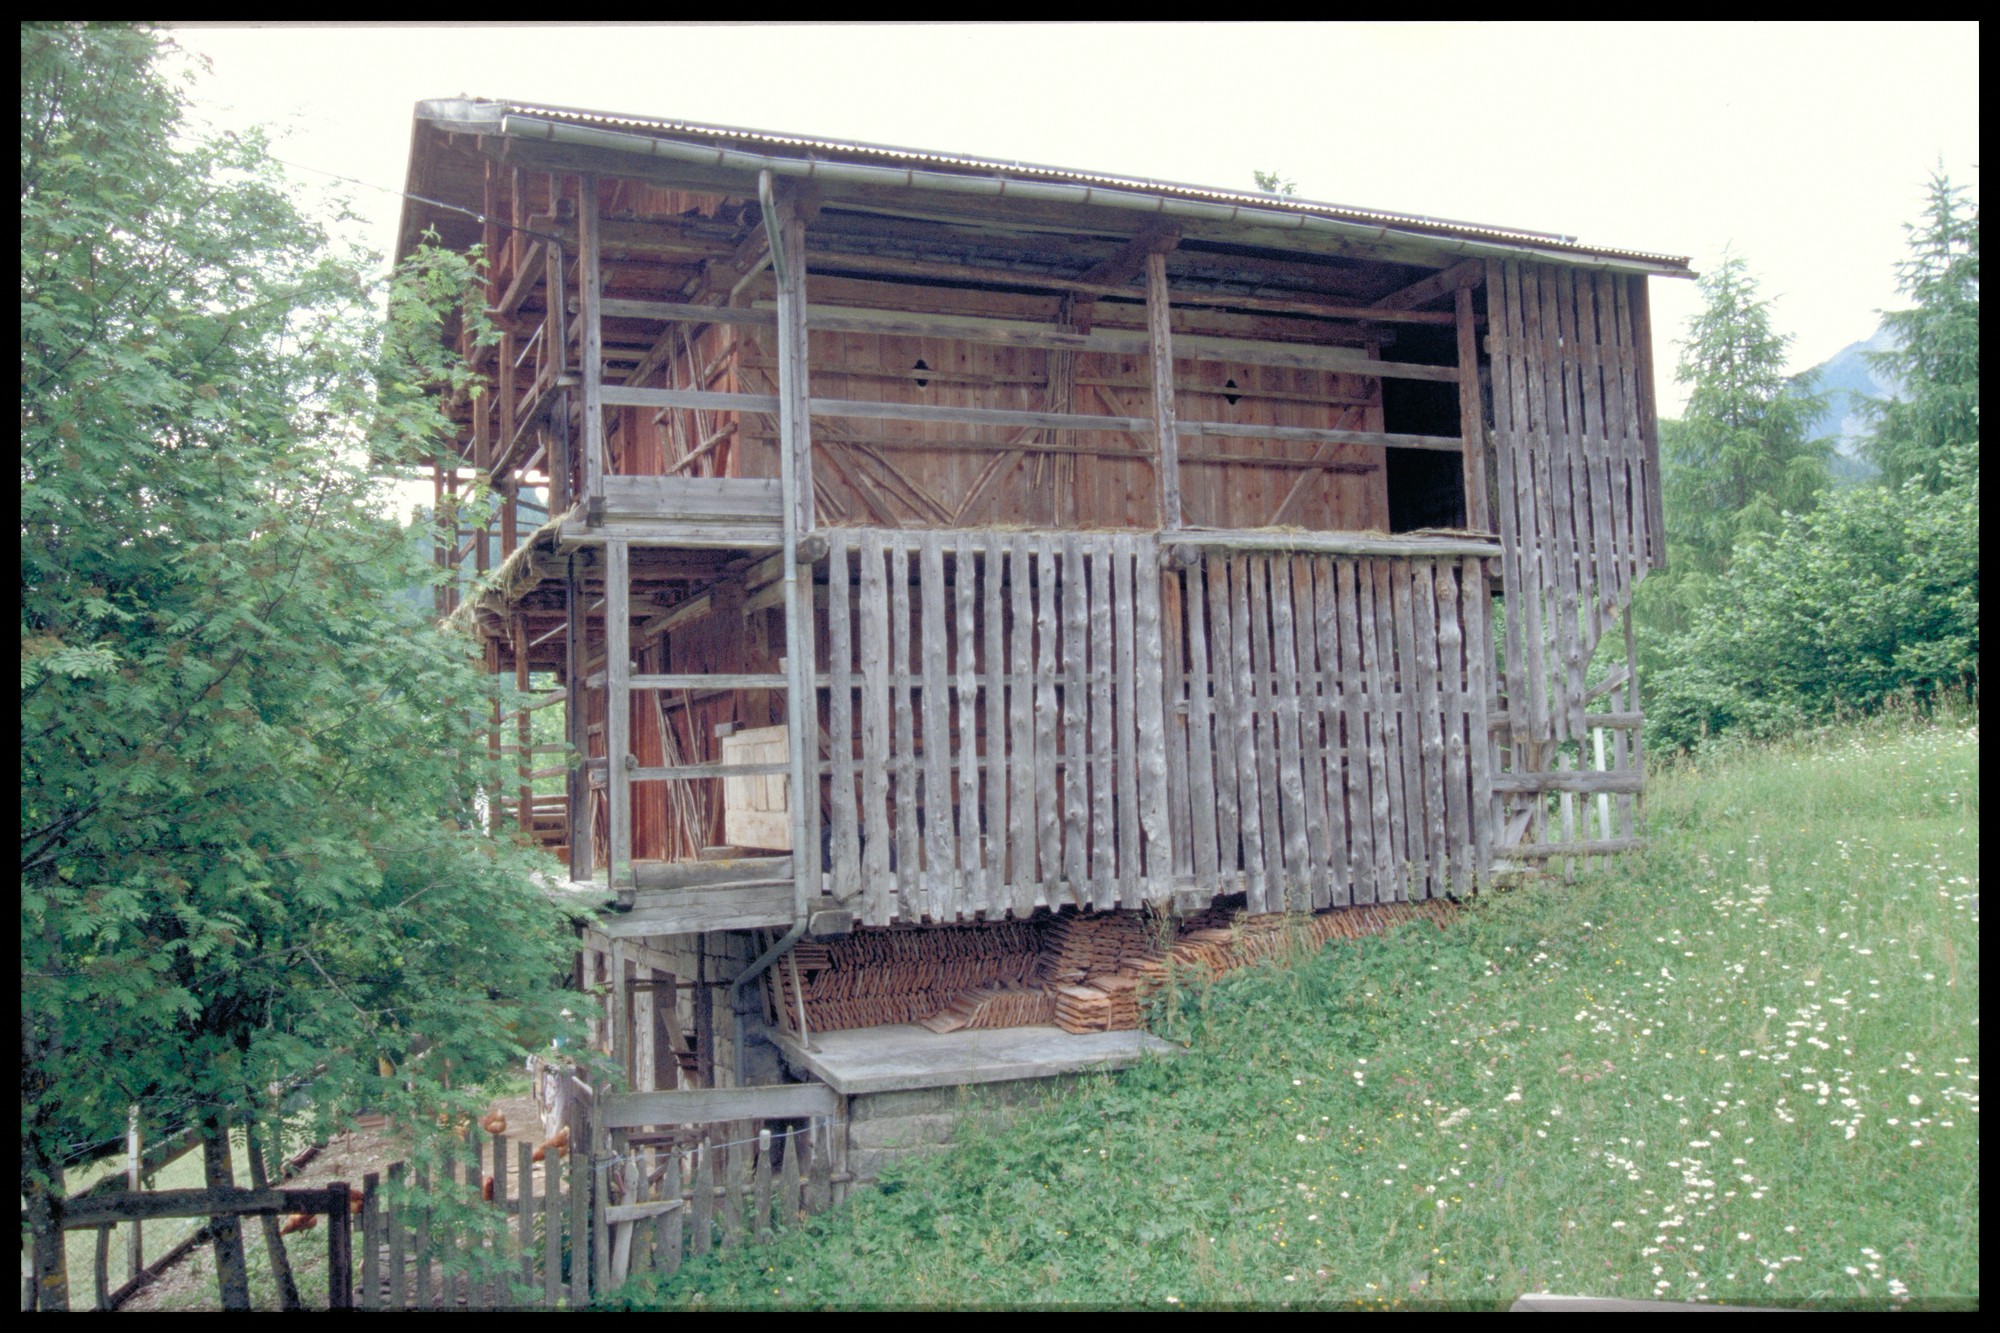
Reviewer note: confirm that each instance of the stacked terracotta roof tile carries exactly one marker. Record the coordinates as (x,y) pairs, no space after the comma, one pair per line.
(1083,972)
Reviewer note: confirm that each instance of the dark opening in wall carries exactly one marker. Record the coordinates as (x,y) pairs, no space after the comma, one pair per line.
(1426,486)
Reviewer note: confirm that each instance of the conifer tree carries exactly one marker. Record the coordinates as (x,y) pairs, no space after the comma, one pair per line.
(1742,455)
(1930,428)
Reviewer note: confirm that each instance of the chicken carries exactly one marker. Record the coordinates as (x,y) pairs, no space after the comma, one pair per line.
(299,1222)
(558,1141)
(494,1123)
(486,1189)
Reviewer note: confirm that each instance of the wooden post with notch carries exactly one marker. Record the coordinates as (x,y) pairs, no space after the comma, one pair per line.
(1471,415)
(618,709)
(1159,331)
(590,299)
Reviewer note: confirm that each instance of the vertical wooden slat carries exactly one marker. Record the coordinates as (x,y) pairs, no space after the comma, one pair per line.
(1075,713)
(940,893)
(525,1215)
(840,719)
(1256,629)
(1343,777)
(704,1198)
(1627,545)
(1509,419)
(1452,701)
(1476,606)
(600,1202)
(673,1225)
(1558,295)
(1312,748)
(339,1250)
(1048,805)
(1174,705)
(908,797)
(553,1213)
(1283,666)
(1021,706)
(1383,857)
(1406,809)
(1103,854)
(1229,820)
(994,645)
(788,1181)
(1149,718)
(1646,426)
(970,873)
(1260,836)
(1607,581)
(1471,416)
(396,1222)
(577,1159)
(819,1167)
(735,1183)
(1125,719)
(1550,719)
(371,1242)
(1431,723)
(1202,797)
(876,751)
(761,1195)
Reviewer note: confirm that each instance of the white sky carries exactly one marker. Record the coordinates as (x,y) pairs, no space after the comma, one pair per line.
(1802,147)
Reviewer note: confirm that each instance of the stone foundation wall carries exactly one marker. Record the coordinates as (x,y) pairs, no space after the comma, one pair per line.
(885,1128)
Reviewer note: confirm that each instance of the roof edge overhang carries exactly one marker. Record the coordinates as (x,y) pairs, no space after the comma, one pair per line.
(550,141)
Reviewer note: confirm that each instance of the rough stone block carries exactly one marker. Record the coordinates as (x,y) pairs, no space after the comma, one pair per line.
(901,1131)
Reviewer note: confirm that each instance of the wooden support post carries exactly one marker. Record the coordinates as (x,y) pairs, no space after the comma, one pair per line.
(590,284)
(618,708)
(371,1241)
(786,229)
(135,1257)
(1161,349)
(1471,415)
(576,712)
(524,731)
(339,1249)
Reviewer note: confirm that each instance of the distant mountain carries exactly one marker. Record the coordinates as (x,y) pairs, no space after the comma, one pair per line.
(1846,378)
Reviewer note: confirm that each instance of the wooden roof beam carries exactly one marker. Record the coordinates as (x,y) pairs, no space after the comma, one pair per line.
(1466,273)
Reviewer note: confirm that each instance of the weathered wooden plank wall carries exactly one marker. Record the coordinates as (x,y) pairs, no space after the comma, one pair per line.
(1330,704)
(1574,440)
(1005,760)
(1309,739)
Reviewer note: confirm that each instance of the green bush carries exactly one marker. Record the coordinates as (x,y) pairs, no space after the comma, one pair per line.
(1873,596)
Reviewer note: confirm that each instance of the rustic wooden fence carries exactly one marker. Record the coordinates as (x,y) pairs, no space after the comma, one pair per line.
(627,1184)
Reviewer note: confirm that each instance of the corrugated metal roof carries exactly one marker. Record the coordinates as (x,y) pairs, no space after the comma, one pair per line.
(807,145)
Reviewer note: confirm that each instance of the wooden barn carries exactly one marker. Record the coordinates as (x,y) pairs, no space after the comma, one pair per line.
(1075,544)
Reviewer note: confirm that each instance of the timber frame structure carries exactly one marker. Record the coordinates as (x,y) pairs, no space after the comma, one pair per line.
(1073,541)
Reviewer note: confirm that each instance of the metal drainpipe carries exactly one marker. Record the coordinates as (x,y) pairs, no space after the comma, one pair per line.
(797,686)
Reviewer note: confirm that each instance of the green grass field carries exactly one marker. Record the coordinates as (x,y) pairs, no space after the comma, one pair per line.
(1743,1067)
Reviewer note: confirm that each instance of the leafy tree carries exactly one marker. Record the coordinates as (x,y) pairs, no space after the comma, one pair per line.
(249,855)
(1742,455)
(1873,596)
(1934,416)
